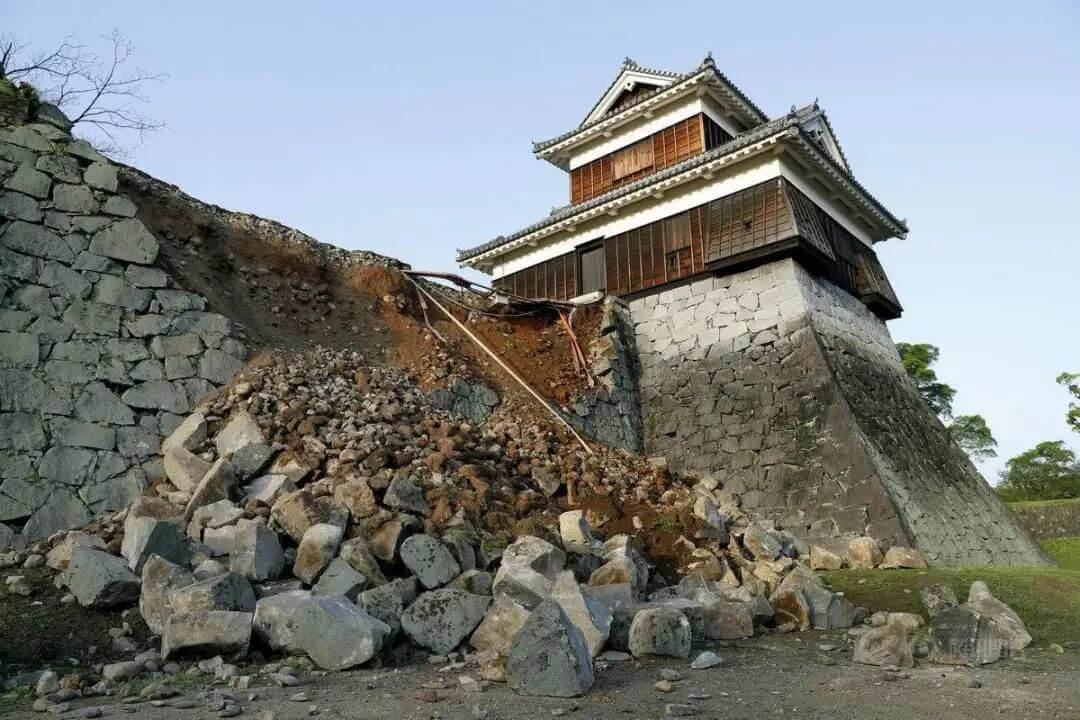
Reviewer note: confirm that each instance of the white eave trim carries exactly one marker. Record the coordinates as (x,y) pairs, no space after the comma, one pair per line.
(854,197)
(705,78)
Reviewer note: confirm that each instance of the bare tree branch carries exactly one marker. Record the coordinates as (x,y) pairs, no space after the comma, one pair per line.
(101,94)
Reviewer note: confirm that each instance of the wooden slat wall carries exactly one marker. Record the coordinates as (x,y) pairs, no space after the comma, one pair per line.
(554,279)
(749,219)
(669,146)
(657,253)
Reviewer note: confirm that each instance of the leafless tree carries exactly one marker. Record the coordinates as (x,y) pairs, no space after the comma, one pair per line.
(103,93)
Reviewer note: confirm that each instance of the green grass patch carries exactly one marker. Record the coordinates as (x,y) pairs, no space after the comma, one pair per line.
(1047,599)
(1021,504)
(1065,550)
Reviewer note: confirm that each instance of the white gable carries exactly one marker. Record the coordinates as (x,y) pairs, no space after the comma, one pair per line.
(630,78)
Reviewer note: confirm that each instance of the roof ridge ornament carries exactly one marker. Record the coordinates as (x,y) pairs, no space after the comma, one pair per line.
(628,62)
(707,61)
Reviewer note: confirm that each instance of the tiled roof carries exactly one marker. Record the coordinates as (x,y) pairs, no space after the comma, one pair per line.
(629,64)
(706,66)
(793,119)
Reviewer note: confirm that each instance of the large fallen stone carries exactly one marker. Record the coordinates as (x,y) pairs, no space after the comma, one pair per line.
(268,488)
(146,536)
(228,591)
(659,631)
(887,644)
(938,598)
(160,578)
(903,557)
(1009,623)
(791,606)
(218,632)
(590,617)
(577,535)
(215,515)
(241,430)
(440,619)
(100,580)
(256,553)
(535,554)
(501,623)
(384,603)
(356,496)
(356,552)
(713,524)
(724,620)
(828,610)
(184,468)
(295,512)
(215,485)
(762,544)
(317,548)
(59,557)
(333,632)
(863,553)
(339,578)
(961,636)
(549,656)
(430,560)
(521,584)
(188,435)
(823,559)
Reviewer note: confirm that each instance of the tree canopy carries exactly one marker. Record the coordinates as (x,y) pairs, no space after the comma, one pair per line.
(1048,471)
(1071,382)
(970,432)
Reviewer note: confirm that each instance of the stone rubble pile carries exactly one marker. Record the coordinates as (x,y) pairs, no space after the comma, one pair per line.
(321,507)
(318,507)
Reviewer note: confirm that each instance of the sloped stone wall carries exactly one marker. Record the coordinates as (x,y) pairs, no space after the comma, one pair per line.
(791,393)
(101,353)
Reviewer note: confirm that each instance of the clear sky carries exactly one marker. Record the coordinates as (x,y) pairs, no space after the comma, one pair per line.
(405,128)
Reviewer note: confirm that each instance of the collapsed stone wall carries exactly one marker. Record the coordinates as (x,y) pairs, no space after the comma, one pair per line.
(611,411)
(791,393)
(102,352)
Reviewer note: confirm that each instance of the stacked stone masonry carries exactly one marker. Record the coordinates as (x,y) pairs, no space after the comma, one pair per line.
(611,411)
(790,392)
(101,354)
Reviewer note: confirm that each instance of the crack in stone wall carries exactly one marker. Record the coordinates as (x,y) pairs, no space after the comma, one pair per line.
(790,392)
(101,352)
(611,412)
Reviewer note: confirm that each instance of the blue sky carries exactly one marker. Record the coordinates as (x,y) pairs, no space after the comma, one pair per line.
(405,127)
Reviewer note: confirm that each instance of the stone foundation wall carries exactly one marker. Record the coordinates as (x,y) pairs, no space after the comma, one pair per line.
(101,353)
(791,393)
(611,412)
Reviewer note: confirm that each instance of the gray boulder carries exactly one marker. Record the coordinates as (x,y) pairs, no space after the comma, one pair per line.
(383,603)
(126,240)
(535,554)
(160,578)
(548,656)
(317,548)
(241,430)
(146,536)
(215,485)
(228,591)
(938,598)
(501,623)
(218,632)
(590,617)
(961,636)
(440,619)
(331,631)
(430,560)
(256,553)
(100,580)
(659,631)
(339,578)
(521,584)
(403,494)
(1009,623)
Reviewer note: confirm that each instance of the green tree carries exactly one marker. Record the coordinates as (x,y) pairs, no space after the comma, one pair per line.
(918,359)
(970,432)
(973,436)
(1071,382)
(1048,471)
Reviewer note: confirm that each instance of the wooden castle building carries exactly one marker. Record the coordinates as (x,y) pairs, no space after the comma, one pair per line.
(673,176)
(751,342)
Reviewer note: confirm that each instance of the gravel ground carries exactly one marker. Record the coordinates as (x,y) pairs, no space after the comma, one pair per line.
(779,676)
